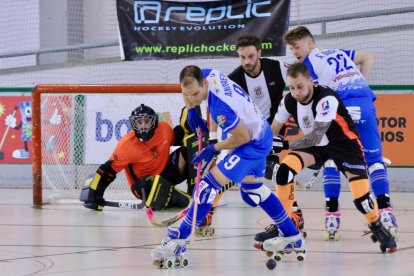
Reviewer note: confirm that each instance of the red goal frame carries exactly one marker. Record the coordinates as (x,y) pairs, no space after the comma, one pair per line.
(76,89)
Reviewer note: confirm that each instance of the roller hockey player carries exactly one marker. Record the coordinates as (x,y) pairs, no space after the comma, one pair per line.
(329,133)
(144,153)
(250,141)
(345,71)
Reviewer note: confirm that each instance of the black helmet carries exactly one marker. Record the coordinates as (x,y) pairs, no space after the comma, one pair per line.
(143,121)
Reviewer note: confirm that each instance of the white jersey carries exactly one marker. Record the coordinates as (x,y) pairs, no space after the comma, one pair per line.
(229,104)
(336,69)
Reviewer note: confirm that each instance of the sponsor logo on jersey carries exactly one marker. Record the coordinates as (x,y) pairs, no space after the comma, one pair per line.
(221,120)
(325,107)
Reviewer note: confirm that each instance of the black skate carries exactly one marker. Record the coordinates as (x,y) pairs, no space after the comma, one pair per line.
(271,231)
(383,236)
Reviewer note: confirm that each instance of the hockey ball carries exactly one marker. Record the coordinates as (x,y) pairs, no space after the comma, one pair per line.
(271,264)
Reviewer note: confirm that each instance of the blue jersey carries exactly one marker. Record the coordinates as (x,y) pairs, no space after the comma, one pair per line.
(229,103)
(336,69)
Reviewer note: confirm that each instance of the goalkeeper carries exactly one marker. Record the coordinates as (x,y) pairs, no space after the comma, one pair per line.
(144,152)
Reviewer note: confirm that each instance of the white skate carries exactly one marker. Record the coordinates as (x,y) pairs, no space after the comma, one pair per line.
(170,253)
(389,221)
(281,245)
(332,222)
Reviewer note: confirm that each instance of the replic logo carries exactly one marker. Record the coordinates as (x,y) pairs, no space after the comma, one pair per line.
(149,12)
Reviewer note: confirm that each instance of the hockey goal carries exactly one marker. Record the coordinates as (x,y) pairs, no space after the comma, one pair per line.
(76,128)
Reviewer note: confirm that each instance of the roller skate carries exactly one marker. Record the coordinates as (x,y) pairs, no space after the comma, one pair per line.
(281,245)
(387,219)
(383,236)
(271,231)
(297,218)
(205,229)
(171,252)
(332,222)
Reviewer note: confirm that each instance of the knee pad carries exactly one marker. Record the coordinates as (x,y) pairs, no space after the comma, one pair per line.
(375,167)
(365,203)
(271,161)
(164,195)
(284,175)
(254,194)
(209,189)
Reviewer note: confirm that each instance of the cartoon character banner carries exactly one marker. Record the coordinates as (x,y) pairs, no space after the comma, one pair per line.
(15,129)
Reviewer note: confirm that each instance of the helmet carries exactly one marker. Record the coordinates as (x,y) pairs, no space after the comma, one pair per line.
(143,121)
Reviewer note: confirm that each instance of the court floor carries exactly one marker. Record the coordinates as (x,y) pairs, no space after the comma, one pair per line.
(67,239)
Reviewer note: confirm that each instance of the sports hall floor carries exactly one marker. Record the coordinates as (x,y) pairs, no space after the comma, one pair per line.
(67,239)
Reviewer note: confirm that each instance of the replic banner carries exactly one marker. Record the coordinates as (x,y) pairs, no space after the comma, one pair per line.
(199,29)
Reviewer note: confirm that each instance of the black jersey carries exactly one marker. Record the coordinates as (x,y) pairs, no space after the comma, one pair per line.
(325,106)
(274,72)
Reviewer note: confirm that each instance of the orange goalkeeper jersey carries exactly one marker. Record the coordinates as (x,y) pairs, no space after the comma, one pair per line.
(149,158)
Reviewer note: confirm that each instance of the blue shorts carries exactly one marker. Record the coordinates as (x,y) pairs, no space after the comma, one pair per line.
(364,116)
(247,159)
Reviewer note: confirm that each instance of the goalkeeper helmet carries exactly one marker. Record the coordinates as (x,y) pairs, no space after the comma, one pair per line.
(143,121)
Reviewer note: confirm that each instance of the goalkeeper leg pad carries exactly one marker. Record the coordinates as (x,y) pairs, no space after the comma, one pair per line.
(93,191)
(164,195)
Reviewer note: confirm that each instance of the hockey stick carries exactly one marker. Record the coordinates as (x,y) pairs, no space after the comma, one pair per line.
(128,205)
(179,215)
(197,188)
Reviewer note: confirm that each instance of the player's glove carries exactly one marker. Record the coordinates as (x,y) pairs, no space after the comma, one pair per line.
(195,121)
(205,156)
(279,144)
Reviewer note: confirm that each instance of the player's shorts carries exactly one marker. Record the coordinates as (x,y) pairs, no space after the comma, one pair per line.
(363,113)
(347,155)
(248,159)
(171,171)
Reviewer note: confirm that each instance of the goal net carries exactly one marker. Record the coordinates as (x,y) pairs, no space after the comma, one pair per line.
(76,128)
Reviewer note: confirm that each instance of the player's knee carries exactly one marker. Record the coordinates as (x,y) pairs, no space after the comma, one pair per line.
(209,189)
(254,194)
(365,203)
(284,175)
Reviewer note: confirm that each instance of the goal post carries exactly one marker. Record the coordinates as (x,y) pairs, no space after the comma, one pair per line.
(76,128)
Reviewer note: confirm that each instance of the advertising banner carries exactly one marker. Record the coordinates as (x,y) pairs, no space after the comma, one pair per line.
(200,29)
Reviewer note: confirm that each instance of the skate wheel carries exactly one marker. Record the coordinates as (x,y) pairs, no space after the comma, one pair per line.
(304,234)
(184,262)
(383,249)
(327,235)
(170,264)
(373,238)
(177,262)
(278,256)
(212,232)
(394,233)
(157,264)
(269,254)
(337,236)
(300,256)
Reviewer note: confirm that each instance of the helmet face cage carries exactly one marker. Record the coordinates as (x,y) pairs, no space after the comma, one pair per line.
(143,121)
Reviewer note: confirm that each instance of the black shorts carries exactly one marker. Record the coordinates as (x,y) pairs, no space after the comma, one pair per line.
(347,155)
(171,171)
